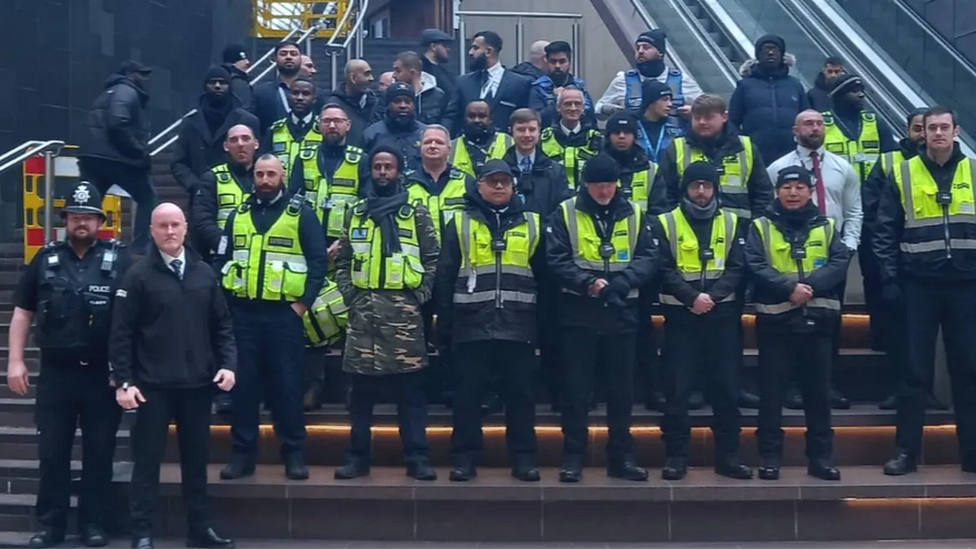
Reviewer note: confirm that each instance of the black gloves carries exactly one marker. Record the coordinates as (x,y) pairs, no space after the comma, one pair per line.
(620,286)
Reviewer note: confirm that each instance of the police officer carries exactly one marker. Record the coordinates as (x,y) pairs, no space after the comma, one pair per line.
(295,139)
(600,249)
(69,287)
(569,141)
(385,271)
(702,266)
(798,263)
(272,259)
(925,238)
(486,295)
(478,142)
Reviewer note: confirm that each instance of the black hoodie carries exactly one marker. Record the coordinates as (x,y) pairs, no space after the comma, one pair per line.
(360,116)
(240,84)
(118,125)
(819,95)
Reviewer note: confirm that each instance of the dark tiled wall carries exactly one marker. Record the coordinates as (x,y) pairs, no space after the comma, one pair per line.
(955,20)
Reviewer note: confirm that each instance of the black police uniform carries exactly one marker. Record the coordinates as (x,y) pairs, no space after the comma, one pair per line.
(71,297)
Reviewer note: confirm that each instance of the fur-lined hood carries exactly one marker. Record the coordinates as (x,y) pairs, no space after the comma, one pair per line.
(746,69)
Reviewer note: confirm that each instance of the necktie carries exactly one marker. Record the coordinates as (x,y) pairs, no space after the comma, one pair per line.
(526,164)
(821,191)
(486,86)
(175,266)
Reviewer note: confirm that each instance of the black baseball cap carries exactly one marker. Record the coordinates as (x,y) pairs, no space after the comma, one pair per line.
(794,173)
(495,166)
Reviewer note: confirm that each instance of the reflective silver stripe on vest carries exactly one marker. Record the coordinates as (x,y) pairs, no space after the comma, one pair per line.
(911,222)
(489,295)
(815,303)
(710,274)
(506,269)
(671,300)
(242,255)
(937,246)
(743,213)
(290,259)
(410,249)
(360,247)
(329,297)
(588,265)
(465,252)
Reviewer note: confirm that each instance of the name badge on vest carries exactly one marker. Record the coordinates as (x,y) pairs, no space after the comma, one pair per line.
(358,233)
(278,147)
(281,241)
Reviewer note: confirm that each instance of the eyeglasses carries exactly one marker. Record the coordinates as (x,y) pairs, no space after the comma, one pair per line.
(333,121)
(497,183)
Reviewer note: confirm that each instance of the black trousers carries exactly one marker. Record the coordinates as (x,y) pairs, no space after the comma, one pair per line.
(438,377)
(648,362)
(930,305)
(881,327)
(514,364)
(190,409)
(104,173)
(686,353)
(810,356)
(585,352)
(69,395)
(411,415)
(551,359)
(270,349)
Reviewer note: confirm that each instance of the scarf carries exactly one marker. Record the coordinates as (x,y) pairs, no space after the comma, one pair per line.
(215,109)
(699,213)
(382,204)
(793,222)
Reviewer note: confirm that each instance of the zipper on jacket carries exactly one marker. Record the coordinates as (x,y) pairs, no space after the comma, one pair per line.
(498,266)
(945,227)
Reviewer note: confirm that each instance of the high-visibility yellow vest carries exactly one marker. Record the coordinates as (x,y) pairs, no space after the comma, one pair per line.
(688,253)
(337,194)
(572,158)
(734,173)
(230,195)
(779,253)
(461,159)
(931,226)
(891,159)
(370,270)
(443,206)
(492,271)
(590,253)
(863,152)
(326,318)
(640,186)
(289,151)
(269,266)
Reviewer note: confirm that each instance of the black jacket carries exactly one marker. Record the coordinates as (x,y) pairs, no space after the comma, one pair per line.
(771,286)
(360,117)
(544,188)
(240,85)
(583,311)
(408,142)
(819,95)
(167,332)
(205,231)
(481,321)
(430,105)
(528,70)
(764,107)
(637,160)
(726,144)
(198,150)
(118,125)
(513,93)
(267,105)
(445,75)
(889,223)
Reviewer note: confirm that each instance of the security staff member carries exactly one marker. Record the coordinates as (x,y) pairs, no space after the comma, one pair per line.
(295,139)
(486,296)
(853,132)
(478,142)
(272,259)
(568,141)
(69,287)
(798,263)
(702,265)
(601,251)
(925,238)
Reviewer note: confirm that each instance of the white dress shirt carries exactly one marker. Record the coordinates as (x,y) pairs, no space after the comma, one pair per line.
(168,260)
(841,183)
(574,131)
(495,75)
(520,158)
(617,89)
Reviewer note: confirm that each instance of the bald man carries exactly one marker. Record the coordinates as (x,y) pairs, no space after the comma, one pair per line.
(386,79)
(357,99)
(172,345)
(536,67)
(307,68)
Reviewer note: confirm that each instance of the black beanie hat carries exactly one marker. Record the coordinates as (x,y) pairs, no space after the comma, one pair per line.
(794,173)
(622,121)
(602,168)
(387,147)
(770,39)
(699,171)
(657,38)
(234,53)
(651,91)
(845,83)
(399,89)
(216,71)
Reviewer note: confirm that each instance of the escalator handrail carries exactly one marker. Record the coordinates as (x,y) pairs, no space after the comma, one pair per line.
(713,50)
(729,27)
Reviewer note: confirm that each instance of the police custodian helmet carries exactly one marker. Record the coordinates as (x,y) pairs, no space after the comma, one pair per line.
(84,199)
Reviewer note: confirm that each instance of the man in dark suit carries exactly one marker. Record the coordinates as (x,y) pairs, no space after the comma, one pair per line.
(504,90)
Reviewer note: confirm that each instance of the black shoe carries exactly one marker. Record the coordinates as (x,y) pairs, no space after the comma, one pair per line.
(793,400)
(45,538)
(889,403)
(748,400)
(839,401)
(93,536)
(732,467)
(675,468)
(295,468)
(421,471)
(526,474)
(696,401)
(350,471)
(572,469)
(463,473)
(655,402)
(239,467)
(492,405)
(823,469)
(208,538)
(933,403)
(769,469)
(142,543)
(902,464)
(626,469)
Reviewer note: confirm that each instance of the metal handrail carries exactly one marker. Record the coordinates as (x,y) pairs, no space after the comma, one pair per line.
(49,149)
(356,32)
(520,32)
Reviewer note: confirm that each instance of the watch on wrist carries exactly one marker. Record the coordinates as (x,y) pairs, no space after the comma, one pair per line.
(125,386)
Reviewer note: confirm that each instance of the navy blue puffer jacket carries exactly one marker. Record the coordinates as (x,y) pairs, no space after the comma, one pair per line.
(764,107)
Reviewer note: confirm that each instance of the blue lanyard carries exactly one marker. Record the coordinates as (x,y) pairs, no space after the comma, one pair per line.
(660,141)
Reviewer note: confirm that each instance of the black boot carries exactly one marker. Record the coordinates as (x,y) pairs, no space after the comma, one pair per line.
(571,469)
(46,538)
(93,536)
(822,468)
(769,468)
(239,467)
(839,401)
(675,468)
(210,539)
(696,401)
(351,470)
(793,400)
(421,470)
(933,403)
(748,400)
(295,468)
(732,467)
(901,464)
(889,403)
(492,405)
(625,468)
(463,471)
(655,402)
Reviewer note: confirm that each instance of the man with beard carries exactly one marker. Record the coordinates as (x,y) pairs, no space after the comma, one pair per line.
(852,131)
(837,194)
(626,92)
(355,97)
(400,127)
(798,263)
(504,90)
(600,249)
(436,45)
(702,266)
(272,259)
(385,271)
(479,142)
(568,141)
(69,286)
(486,296)
(117,149)
(655,131)
(547,88)
(270,100)
(430,98)
(236,63)
(819,95)
(767,99)
(295,139)
(339,165)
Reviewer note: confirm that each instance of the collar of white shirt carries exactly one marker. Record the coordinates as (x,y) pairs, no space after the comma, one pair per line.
(573,131)
(302,121)
(521,159)
(168,259)
(804,152)
(496,73)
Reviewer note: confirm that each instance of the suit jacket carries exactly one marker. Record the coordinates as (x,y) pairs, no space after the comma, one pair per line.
(513,93)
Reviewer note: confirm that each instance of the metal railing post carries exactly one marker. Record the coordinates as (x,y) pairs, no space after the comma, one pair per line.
(48,192)
(462,39)
(519,38)
(577,49)
(335,70)
(361,32)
